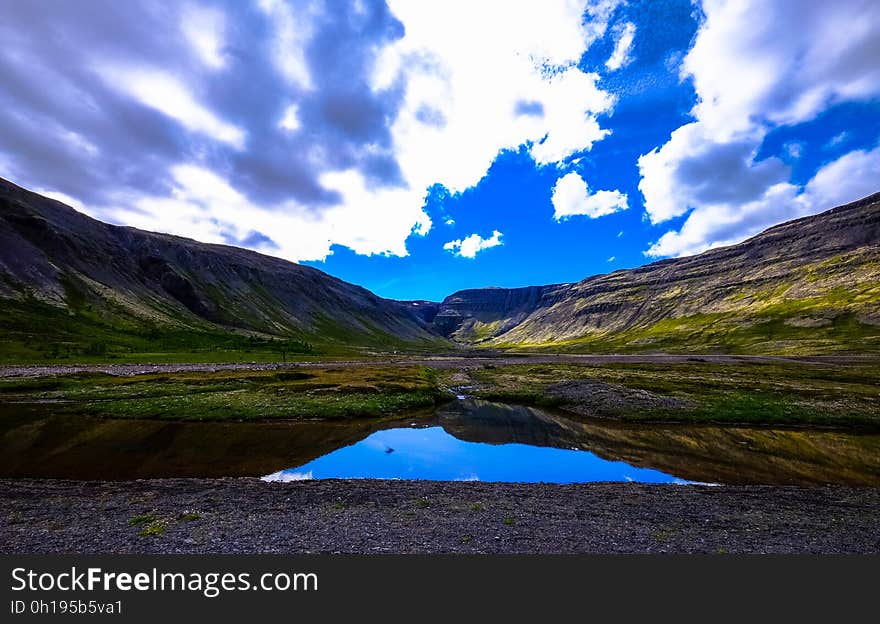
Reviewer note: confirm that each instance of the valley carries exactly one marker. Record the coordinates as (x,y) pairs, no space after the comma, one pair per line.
(76,290)
(150,384)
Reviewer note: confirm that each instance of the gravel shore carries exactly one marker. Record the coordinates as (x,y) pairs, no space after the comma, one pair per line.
(334,516)
(441,362)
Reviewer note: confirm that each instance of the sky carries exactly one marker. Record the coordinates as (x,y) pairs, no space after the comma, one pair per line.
(419,148)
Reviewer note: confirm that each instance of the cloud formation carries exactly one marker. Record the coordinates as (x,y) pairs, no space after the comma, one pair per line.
(623,44)
(571,196)
(289,126)
(470,246)
(752,72)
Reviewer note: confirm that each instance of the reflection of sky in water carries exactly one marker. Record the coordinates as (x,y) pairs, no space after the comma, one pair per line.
(433,454)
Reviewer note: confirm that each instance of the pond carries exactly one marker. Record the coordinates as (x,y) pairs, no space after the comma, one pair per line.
(432,453)
(463,440)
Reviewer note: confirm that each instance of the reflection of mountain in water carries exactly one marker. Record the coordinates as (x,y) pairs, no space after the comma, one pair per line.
(498,423)
(709,453)
(36,443)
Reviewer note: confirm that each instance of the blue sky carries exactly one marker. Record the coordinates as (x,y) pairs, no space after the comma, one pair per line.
(421,148)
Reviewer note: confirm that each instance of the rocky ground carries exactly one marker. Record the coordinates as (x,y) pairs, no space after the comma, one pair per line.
(591,397)
(251,516)
(439,362)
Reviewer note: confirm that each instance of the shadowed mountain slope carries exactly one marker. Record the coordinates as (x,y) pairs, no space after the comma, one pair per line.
(81,283)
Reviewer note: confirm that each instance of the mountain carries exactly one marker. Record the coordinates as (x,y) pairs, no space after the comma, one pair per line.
(74,285)
(71,286)
(806,286)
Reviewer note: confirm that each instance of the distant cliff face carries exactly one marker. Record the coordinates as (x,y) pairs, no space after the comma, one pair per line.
(478,314)
(809,285)
(129,279)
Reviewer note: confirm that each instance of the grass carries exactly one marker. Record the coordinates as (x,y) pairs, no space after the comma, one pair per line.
(36,333)
(772,393)
(142,519)
(316,394)
(32,332)
(152,526)
(766,333)
(661,536)
(758,321)
(154,529)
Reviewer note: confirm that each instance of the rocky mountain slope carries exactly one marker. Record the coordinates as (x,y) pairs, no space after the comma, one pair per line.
(807,286)
(80,284)
(73,286)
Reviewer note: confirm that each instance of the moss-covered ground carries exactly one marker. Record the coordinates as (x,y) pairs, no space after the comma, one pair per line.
(759,392)
(777,392)
(316,394)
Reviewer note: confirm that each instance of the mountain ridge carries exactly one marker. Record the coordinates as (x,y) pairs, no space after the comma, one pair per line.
(825,268)
(137,281)
(807,285)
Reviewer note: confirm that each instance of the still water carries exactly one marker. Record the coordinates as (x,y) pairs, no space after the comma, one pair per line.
(433,454)
(464,440)
(495,443)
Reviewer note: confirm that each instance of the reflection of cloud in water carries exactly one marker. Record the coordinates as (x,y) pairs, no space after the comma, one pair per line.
(374,442)
(284,476)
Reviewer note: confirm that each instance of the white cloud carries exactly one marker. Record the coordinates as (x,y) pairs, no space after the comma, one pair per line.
(461,83)
(285,476)
(620,56)
(571,101)
(753,71)
(206,207)
(449,129)
(292,31)
(782,61)
(205,28)
(473,69)
(850,177)
(838,138)
(794,149)
(62,197)
(166,94)
(290,120)
(571,196)
(692,169)
(611,259)
(471,245)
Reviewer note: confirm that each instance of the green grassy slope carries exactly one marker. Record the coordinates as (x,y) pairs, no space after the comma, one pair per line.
(832,306)
(76,289)
(810,286)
